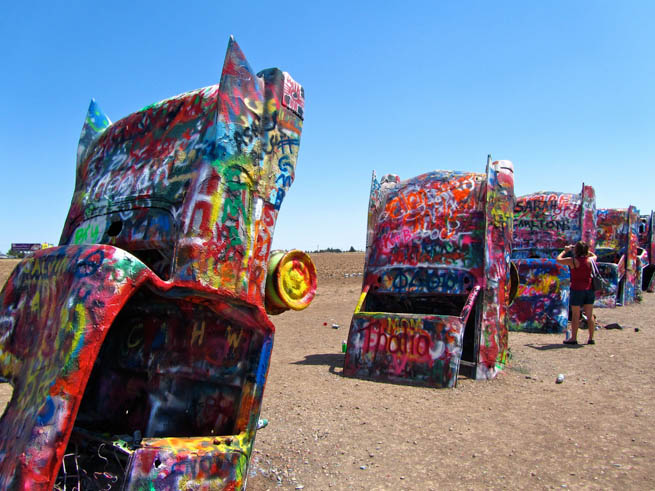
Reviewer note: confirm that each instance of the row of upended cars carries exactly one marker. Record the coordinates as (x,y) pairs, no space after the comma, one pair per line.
(138,349)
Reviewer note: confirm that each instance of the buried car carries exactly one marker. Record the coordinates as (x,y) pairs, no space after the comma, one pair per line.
(647,253)
(436,278)
(544,223)
(138,349)
(617,248)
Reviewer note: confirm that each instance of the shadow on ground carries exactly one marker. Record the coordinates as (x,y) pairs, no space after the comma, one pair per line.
(330,359)
(544,347)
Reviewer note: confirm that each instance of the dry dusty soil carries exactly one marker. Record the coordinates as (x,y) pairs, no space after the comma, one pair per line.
(521,430)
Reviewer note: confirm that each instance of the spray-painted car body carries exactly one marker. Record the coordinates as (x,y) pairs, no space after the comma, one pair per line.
(544,223)
(436,279)
(617,248)
(138,349)
(647,253)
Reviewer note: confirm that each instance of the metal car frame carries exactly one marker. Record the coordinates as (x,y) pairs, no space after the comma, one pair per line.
(544,223)
(617,248)
(436,281)
(138,349)
(647,253)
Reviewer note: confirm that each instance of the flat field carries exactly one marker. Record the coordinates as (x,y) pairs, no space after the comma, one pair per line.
(6,267)
(519,431)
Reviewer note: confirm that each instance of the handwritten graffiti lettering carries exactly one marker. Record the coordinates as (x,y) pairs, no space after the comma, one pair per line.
(401,337)
(557,225)
(404,246)
(48,267)
(536,205)
(413,204)
(424,280)
(287,145)
(547,206)
(87,234)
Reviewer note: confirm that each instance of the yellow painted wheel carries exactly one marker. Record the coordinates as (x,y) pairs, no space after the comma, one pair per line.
(291,281)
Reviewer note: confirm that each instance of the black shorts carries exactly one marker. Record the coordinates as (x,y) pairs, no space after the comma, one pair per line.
(582,297)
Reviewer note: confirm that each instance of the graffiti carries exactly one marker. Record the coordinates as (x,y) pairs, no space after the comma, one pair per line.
(433,242)
(398,337)
(294,96)
(542,299)
(544,223)
(426,280)
(618,255)
(427,246)
(422,349)
(550,220)
(611,273)
(647,257)
(139,348)
(556,225)
(285,178)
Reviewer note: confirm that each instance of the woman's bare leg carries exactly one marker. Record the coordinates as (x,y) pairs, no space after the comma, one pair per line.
(591,325)
(575,322)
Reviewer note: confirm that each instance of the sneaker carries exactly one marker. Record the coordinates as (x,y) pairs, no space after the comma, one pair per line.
(570,341)
(591,341)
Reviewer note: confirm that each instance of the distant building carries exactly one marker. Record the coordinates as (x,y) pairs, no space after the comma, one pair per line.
(27,248)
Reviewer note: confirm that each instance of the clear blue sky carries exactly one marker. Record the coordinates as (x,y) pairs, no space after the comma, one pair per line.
(564,89)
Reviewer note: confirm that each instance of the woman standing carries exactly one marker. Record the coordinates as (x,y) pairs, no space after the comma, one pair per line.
(582,292)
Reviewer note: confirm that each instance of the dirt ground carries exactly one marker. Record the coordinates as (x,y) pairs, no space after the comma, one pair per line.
(518,431)
(521,430)
(6,267)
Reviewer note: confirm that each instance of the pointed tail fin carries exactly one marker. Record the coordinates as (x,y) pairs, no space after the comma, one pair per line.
(95,123)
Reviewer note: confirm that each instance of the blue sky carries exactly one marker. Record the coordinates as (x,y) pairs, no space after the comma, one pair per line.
(563,89)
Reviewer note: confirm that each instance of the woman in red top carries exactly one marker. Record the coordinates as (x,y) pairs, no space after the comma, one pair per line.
(582,292)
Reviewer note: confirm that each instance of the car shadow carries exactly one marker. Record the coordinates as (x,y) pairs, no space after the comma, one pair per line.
(335,363)
(329,359)
(544,347)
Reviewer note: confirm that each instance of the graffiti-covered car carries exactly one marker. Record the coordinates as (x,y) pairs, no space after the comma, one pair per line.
(544,223)
(647,253)
(138,349)
(617,248)
(436,278)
